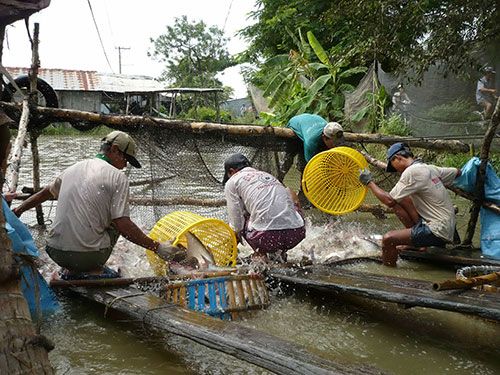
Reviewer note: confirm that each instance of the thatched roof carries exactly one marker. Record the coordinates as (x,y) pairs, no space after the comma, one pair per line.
(14,10)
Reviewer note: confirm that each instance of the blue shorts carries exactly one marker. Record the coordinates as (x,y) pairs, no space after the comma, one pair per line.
(421,236)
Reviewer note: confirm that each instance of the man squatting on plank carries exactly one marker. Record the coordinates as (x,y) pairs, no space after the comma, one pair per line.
(93,210)
(419,199)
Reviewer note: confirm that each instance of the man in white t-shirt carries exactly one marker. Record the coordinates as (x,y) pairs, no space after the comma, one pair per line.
(93,210)
(486,94)
(261,209)
(419,199)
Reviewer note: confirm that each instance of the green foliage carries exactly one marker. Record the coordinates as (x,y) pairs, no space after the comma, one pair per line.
(455,160)
(207,114)
(375,111)
(69,130)
(403,36)
(298,83)
(193,54)
(460,110)
(394,125)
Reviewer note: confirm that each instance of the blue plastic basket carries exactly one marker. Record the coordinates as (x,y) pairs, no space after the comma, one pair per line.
(227,297)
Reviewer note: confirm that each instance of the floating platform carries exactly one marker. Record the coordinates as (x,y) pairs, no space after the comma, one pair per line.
(455,258)
(259,348)
(403,291)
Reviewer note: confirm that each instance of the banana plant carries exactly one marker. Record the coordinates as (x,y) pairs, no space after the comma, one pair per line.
(375,111)
(298,85)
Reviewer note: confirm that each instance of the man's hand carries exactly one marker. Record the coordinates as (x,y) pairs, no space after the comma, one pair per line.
(365,177)
(9,195)
(167,251)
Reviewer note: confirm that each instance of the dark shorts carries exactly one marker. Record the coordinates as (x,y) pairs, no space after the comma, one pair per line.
(83,261)
(270,241)
(421,236)
(483,102)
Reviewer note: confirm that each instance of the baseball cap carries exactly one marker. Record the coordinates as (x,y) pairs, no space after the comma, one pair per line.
(393,150)
(234,161)
(125,144)
(489,69)
(331,129)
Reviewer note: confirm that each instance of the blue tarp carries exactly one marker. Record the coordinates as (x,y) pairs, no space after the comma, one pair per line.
(490,221)
(22,242)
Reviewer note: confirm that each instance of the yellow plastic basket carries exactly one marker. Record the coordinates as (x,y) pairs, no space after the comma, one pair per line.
(330,180)
(214,234)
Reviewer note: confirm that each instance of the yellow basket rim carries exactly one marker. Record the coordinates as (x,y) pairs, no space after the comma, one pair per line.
(188,227)
(346,151)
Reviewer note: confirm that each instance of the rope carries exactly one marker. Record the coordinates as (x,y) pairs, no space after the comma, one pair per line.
(471,269)
(166,306)
(108,305)
(439,122)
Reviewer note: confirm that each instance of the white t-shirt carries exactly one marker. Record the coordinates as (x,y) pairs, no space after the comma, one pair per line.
(424,184)
(90,195)
(264,198)
(481,84)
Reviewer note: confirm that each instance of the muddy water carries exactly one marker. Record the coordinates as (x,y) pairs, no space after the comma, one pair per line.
(354,330)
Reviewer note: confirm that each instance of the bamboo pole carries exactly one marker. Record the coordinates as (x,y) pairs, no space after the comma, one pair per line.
(134,122)
(467,283)
(12,175)
(481,175)
(35,64)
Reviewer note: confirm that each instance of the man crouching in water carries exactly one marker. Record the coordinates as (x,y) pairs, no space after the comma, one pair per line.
(419,200)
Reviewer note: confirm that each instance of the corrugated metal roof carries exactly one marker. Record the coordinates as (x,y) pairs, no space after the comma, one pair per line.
(81,80)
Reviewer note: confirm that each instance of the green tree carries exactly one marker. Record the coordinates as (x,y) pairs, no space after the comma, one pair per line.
(193,54)
(306,80)
(401,34)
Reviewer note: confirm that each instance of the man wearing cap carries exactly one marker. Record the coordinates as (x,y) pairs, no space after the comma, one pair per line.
(486,94)
(419,199)
(93,210)
(261,209)
(316,133)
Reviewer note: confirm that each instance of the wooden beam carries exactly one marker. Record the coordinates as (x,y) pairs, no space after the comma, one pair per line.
(335,280)
(256,347)
(135,122)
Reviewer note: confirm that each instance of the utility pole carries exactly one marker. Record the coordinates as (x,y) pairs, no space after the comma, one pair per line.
(120,57)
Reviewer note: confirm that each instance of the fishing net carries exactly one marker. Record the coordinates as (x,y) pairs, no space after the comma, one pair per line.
(439,106)
(182,171)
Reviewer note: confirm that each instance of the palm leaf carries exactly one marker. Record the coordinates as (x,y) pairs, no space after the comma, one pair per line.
(346,87)
(318,49)
(318,84)
(280,93)
(362,112)
(352,71)
(275,82)
(276,61)
(318,66)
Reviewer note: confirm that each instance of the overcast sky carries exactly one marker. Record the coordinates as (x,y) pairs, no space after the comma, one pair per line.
(69,40)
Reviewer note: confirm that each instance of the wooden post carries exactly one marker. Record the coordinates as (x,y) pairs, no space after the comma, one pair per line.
(195,107)
(12,175)
(36,174)
(217,107)
(481,175)
(35,64)
(173,107)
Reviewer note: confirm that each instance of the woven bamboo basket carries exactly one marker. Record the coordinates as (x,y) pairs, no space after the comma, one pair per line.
(228,297)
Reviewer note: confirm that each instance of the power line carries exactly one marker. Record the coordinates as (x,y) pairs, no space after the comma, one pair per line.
(227,15)
(99,35)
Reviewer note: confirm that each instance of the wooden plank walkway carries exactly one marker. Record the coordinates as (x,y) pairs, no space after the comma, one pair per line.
(456,258)
(253,346)
(407,292)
